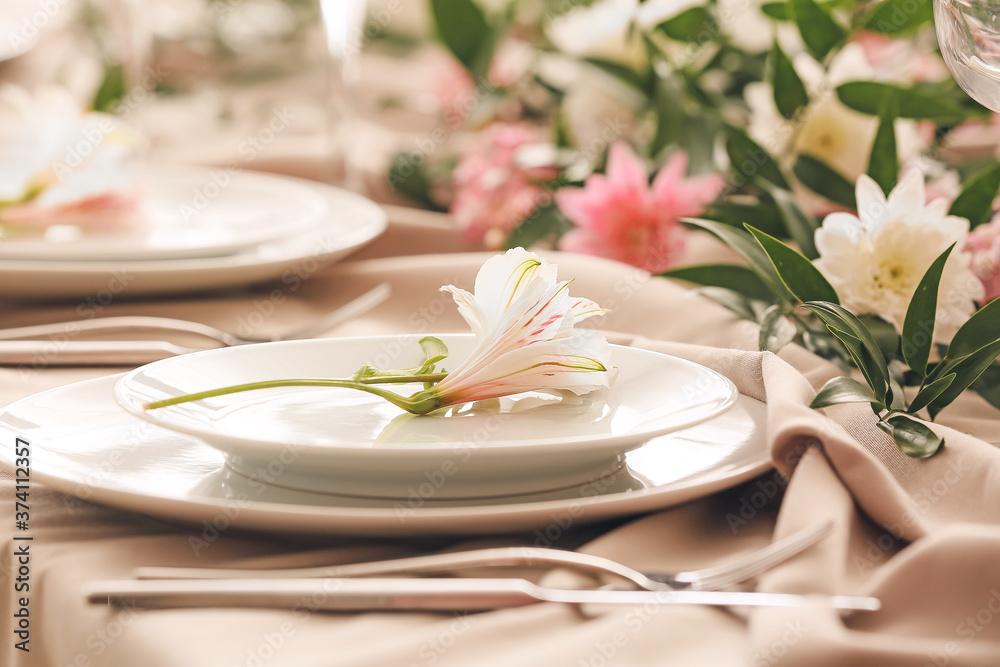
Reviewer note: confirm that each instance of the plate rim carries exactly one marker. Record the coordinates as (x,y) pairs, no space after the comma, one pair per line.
(423,448)
(151,174)
(472,519)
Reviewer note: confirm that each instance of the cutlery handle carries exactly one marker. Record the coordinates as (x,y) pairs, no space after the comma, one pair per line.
(46,353)
(319,594)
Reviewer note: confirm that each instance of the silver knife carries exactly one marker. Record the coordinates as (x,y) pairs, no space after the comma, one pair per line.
(421,594)
(45,353)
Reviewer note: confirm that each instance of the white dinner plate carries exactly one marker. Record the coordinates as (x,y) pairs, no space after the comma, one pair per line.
(184,212)
(344,441)
(83,444)
(352,221)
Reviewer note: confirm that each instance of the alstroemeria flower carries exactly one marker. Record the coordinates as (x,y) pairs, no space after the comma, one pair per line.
(493,191)
(60,166)
(620,216)
(524,320)
(876,259)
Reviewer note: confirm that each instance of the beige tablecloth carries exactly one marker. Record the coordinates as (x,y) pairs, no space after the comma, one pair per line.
(937,572)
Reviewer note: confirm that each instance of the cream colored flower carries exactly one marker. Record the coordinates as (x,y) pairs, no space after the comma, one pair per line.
(875,260)
(825,129)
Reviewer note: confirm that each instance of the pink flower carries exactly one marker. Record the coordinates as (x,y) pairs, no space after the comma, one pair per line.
(101,212)
(621,217)
(493,193)
(983,243)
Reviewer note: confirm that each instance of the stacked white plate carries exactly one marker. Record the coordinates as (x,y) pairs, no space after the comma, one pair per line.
(197,229)
(321,460)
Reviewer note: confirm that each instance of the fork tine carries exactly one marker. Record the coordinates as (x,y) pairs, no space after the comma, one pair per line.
(749,566)
(348,311)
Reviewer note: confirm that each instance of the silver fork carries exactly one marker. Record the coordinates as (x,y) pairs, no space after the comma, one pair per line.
(130,323)
(713,578)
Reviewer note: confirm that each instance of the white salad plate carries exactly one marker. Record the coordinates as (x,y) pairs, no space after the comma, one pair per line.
(344,441)
(350,222)
(84,445)
(184,212)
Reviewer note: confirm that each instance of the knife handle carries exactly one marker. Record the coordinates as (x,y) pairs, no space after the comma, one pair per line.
(318,594)
(86,352)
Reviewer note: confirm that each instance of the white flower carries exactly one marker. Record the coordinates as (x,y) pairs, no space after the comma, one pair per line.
(825,129)
(604,28)
(54,156)
(524,321)
(875,260)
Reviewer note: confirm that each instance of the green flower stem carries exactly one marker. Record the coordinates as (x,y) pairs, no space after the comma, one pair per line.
(419,403)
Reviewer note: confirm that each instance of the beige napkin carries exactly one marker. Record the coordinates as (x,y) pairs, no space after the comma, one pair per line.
(939,593)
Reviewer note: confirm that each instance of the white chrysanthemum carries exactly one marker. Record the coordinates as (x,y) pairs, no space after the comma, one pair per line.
(875,260)
(826,129)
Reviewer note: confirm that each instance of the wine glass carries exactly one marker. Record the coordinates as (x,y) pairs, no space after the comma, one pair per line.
(968,32)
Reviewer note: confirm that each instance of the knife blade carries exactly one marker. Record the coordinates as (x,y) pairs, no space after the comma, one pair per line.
(421,594)
(53,353)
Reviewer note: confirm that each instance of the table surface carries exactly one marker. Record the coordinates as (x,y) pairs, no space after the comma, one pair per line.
(839,465)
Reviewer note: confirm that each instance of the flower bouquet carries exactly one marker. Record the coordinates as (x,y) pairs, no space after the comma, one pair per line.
(825,142)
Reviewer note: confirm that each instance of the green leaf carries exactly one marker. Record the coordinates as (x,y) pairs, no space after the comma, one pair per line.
(728,276)
(748,160)
(967,370)
(912,437)
(775,10)
(789,92)
(776,330)
(987,385)
(745,245)
(800,276)
(883,161)
(691,25)
(891,17)
(801,226)
(434,351)
(823,179)
(112,89)
(864,361)
(979,330)
(732,301)
(546,221)
(819,31)
(921,314)
(843,320)
(668,95)
(462,27)
(408,177)
(931,391)
(621,72)
(763,215)
(842,390)
(975,201)
(869,97)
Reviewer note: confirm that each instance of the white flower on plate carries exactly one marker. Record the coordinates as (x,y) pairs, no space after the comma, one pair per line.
(524,320)
(825,129)
(875,260)
(59,165)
